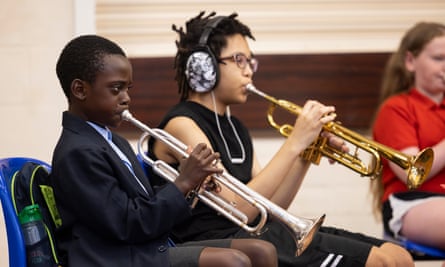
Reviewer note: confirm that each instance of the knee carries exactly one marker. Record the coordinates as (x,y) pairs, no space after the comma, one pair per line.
(378,258)
(260,252)
(264,254)
(211,257)
(238,259)
(389,255)
(400,255)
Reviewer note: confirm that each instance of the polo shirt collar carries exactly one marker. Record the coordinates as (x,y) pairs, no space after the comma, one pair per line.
(425,100)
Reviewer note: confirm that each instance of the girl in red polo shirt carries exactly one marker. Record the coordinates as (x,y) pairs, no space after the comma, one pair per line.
(411,118)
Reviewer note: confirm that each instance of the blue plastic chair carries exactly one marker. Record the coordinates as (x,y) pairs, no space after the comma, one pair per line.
(418,251)
(16,246)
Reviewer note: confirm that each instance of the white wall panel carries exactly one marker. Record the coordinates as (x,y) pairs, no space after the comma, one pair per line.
(143,28)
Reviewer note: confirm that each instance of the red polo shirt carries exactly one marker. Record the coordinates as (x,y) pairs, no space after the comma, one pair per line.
(406,120)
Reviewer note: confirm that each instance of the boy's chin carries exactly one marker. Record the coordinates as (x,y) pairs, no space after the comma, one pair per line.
(115,125)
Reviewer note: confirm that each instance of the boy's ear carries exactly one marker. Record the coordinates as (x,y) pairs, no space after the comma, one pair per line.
(78,89)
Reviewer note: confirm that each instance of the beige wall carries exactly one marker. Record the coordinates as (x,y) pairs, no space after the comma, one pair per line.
(31,35)
(280,27)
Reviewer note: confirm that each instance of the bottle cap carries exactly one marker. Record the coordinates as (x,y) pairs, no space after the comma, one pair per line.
(30,213)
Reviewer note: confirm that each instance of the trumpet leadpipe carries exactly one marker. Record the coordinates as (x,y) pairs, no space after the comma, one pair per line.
(165,137)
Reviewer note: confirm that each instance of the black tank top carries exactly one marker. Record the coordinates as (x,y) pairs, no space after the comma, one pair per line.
(205,223)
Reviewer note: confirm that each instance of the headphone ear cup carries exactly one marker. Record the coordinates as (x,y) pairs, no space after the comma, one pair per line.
(201,71)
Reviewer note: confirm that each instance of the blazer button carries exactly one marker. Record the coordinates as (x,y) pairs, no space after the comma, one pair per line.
(162,248)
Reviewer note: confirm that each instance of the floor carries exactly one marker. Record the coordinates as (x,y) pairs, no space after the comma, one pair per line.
(334,190)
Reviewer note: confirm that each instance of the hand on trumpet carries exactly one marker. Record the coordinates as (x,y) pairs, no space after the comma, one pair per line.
(336,143)
(310,121)
(196,167)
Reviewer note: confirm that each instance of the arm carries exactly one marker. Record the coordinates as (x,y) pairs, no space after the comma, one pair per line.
(286,163)
(281,178)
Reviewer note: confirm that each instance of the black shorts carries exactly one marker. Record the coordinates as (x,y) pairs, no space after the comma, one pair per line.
(187,254)
(331,247)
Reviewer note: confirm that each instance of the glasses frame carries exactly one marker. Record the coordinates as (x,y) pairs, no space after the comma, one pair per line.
(242,61)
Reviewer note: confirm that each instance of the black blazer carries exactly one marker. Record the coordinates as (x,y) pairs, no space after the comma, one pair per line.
(108,219)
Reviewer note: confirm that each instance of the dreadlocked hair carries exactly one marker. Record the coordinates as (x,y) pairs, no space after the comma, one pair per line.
(189,40)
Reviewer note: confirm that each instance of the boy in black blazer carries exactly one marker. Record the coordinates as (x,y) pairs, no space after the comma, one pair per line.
(111,214)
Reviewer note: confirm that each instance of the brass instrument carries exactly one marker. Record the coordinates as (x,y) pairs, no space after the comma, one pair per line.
(417,167)
(301,229)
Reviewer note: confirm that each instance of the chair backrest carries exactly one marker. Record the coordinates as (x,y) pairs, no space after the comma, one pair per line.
(16,246)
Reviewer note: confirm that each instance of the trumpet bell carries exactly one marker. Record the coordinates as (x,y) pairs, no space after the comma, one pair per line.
(307,237)
(419,168)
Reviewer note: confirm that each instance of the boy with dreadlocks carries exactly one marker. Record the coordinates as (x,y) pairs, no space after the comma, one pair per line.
(214,64)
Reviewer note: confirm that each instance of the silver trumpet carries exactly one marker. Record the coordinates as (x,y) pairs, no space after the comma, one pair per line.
(301,229)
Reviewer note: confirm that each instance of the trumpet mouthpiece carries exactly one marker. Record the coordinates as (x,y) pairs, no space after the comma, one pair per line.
(126,115)
(252,89)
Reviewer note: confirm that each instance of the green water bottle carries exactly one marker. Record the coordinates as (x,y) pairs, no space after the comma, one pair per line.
(38,248)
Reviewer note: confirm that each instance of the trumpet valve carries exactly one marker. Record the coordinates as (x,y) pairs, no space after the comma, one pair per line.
(212,186)
(192,198)
(312,153)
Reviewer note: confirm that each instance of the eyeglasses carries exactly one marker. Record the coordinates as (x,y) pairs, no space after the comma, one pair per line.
(241,61)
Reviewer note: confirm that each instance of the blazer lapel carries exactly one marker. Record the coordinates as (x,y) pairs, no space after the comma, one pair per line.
(137,168)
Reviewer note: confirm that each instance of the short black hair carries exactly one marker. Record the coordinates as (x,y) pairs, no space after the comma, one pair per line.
(189,40)
(82,58)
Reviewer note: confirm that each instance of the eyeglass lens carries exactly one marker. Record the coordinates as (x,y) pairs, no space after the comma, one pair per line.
(241,60)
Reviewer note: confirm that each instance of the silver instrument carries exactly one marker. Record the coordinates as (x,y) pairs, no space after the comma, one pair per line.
(301,229)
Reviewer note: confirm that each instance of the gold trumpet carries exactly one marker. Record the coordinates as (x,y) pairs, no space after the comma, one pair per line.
(417,167)
(301,229)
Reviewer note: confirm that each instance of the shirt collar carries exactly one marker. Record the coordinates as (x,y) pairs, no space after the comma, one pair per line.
(425,100)
(104,131)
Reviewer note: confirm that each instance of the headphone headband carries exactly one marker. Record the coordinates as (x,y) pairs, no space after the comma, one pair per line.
(208,28)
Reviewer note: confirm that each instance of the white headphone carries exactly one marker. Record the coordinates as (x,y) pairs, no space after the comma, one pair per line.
(201,69)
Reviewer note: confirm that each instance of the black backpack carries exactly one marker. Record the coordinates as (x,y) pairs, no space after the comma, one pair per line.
(29,186)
